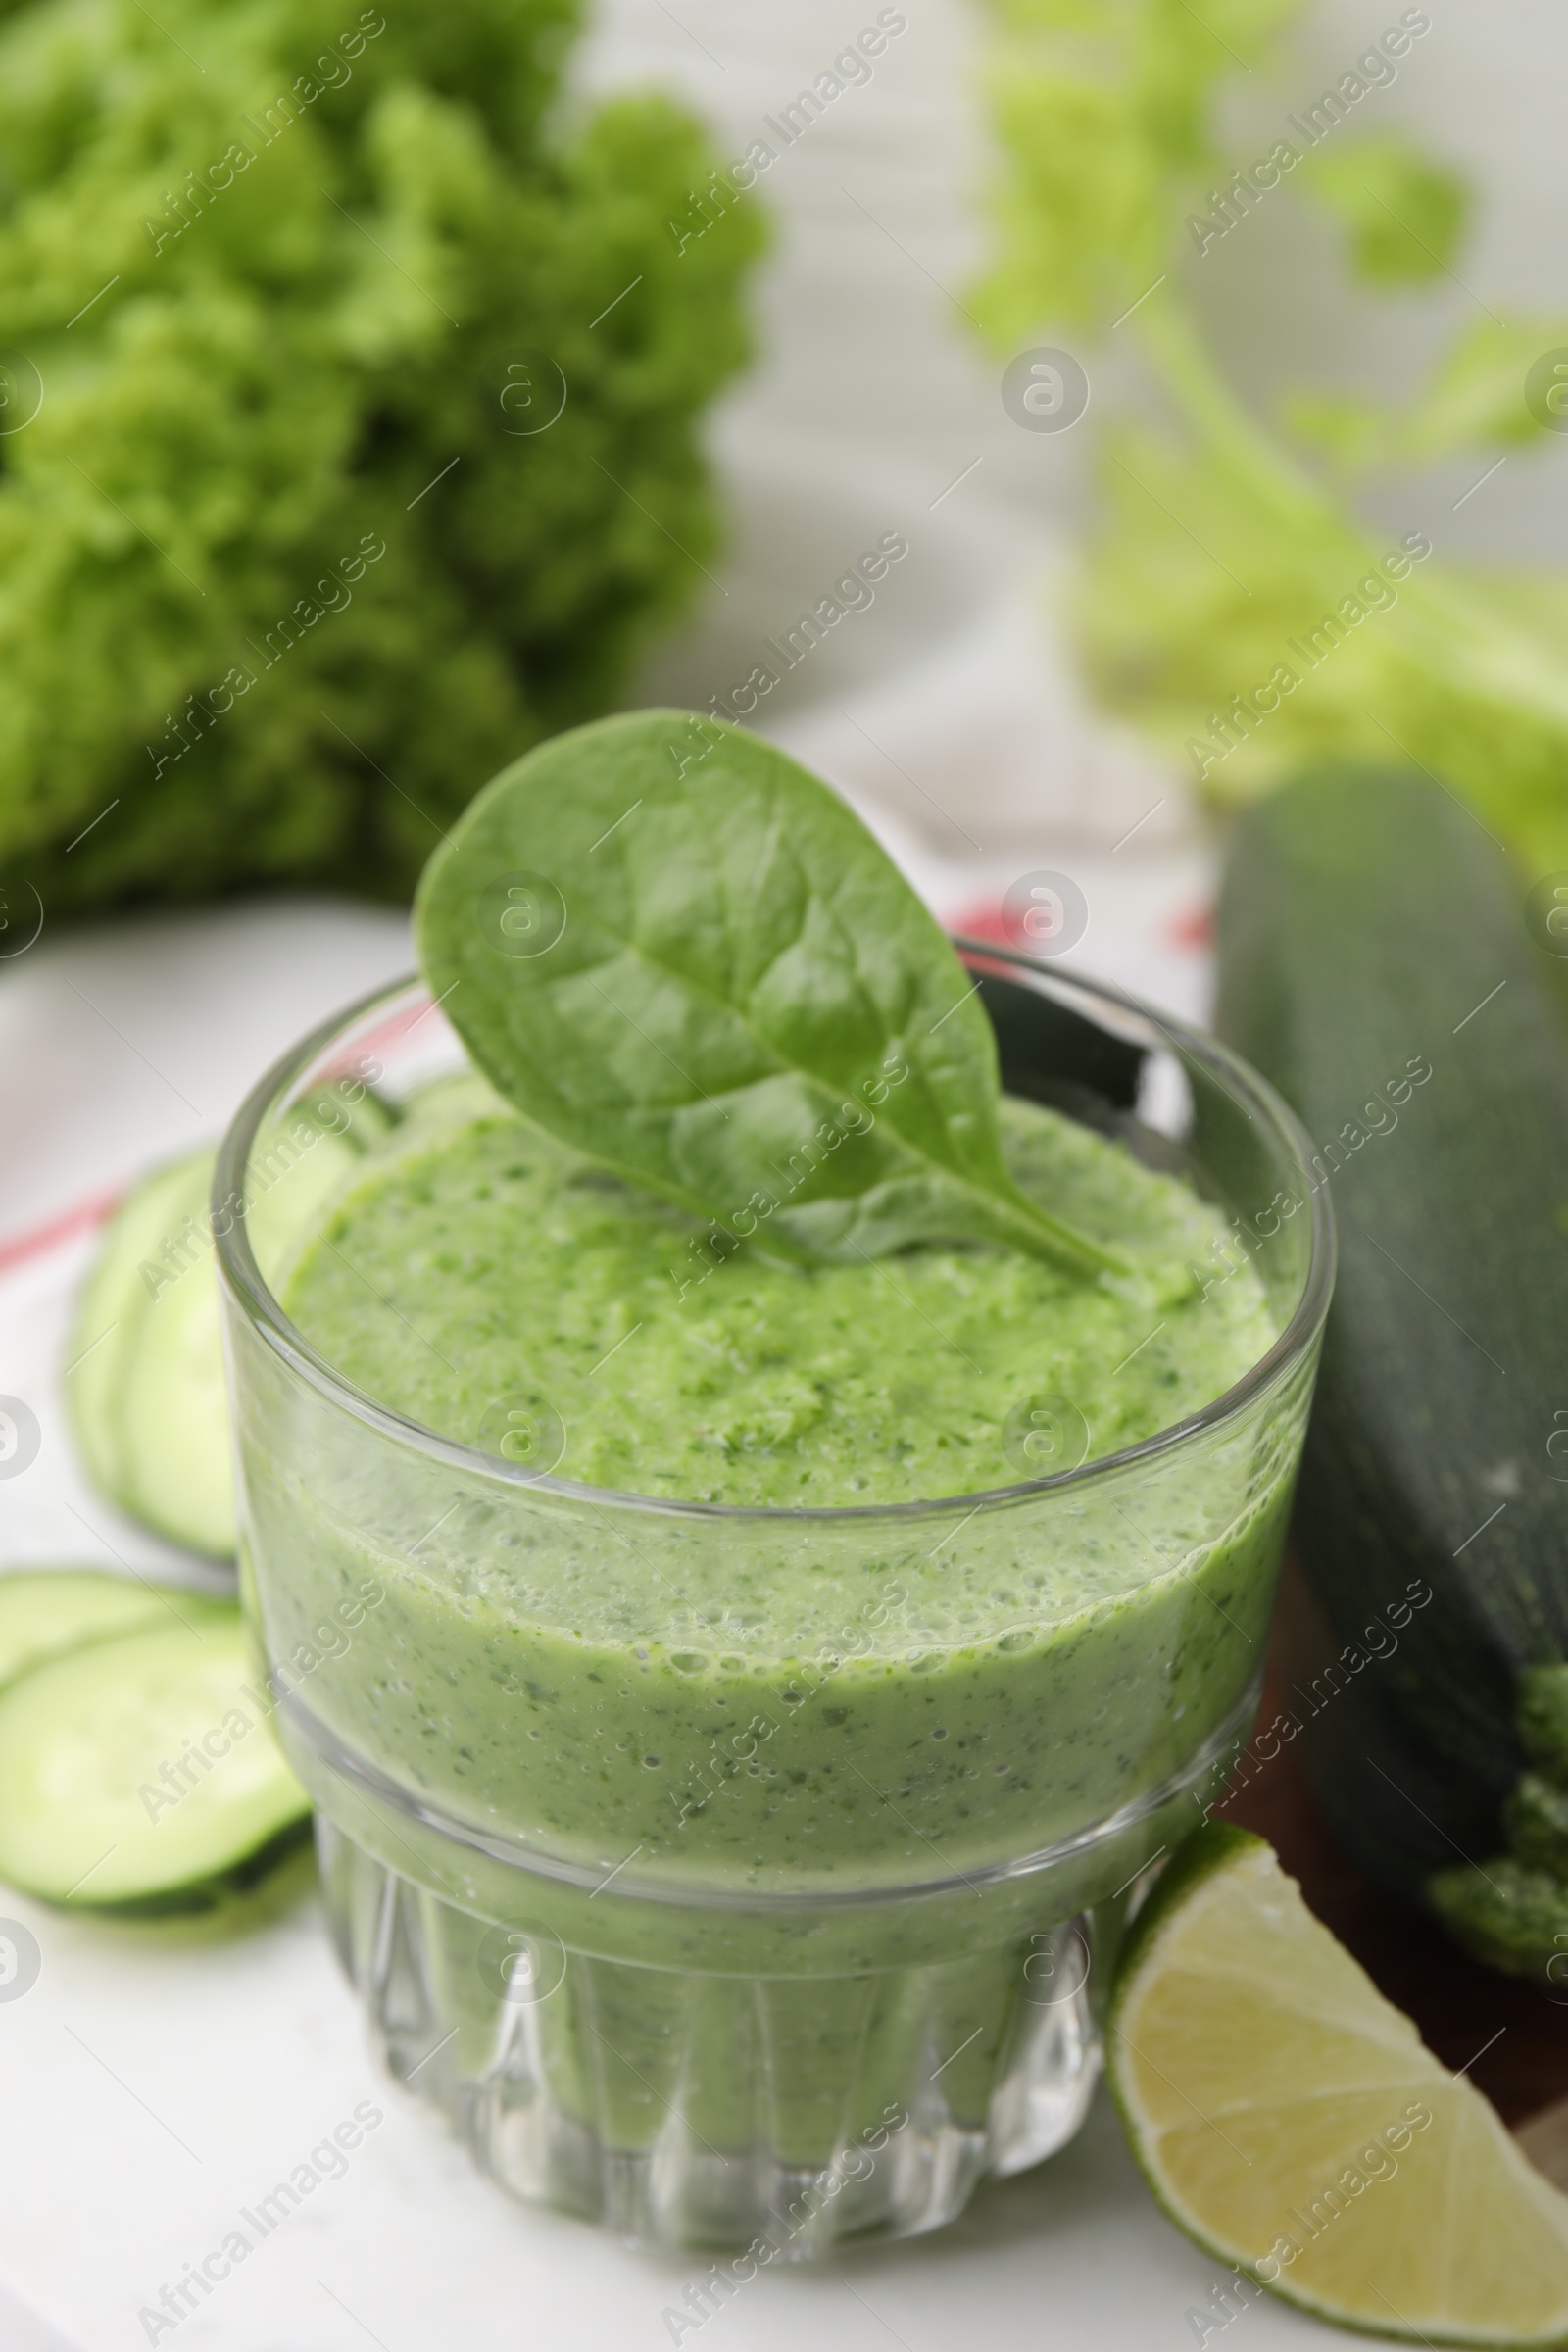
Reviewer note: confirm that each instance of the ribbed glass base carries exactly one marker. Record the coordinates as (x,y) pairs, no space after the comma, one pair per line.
(784,2114)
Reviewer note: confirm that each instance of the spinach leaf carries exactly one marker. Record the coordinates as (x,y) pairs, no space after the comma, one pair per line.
(681,954)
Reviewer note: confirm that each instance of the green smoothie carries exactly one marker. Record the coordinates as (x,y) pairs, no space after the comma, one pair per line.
(654,1518)
(880,1702)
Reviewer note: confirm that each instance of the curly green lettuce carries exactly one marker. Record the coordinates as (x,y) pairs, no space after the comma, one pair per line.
(1232,600)
(349,410)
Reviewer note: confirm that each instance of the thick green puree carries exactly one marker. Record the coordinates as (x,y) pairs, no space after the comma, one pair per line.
(788,1702)
(491,1266)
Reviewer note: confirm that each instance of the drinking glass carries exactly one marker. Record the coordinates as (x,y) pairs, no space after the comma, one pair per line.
(770,2001)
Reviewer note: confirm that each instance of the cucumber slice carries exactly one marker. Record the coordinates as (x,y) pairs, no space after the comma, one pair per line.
(140,1772)
(114,1301)
(175,1414)
(292,1208)
(363,1123)
(148,1399)
(46,1612)
(455,1101)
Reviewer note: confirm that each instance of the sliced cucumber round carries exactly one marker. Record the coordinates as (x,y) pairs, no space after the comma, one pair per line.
(114,1301)
(141,1773)
(291,1207)
(174,1417)
(145,1380)
(46,1612)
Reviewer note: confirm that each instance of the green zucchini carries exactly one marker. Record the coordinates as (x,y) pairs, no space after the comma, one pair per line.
(1375,963)
(145,1380)
(140,1773)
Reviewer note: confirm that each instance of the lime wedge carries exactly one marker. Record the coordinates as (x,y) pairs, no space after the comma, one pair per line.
(1293,2122)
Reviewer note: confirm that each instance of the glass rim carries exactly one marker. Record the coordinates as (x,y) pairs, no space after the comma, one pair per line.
(243,1278)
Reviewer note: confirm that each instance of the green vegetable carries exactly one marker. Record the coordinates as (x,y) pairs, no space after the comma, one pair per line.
(287,558)
(144,1380)
(141,1773)
(46,1612)
(682,954)
(1544,1709)
(1226,543)
(1375,966)
(1511,1909)
(101,1348)
(1535,1818)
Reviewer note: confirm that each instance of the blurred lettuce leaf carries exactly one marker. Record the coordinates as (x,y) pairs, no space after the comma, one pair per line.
(1103,108)
(1232,599)
(1191,603)
(1406,216)
(1473,398)
(290,278)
